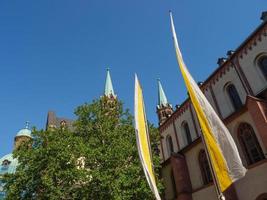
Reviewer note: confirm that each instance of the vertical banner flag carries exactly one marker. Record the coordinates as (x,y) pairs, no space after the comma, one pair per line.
(142,138)
(223,153)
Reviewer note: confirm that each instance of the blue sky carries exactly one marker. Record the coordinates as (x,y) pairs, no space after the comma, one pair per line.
(54,54)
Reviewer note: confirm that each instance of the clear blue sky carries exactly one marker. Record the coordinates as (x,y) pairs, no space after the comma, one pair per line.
(54,54)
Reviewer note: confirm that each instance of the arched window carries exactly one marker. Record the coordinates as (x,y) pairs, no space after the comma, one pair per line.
(234,96)
(204,167)
(169,145)
(262,63)
(262,197)
(6,163)
(249,143)
(187,133)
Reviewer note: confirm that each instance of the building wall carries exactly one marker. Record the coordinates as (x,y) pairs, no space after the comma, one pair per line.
(20,140)
(253,184)
(207,92)
(221,95)
(168,132)
(166,172)
(184,117)
(207,193)
(251,70)
(242,71)
(193,166)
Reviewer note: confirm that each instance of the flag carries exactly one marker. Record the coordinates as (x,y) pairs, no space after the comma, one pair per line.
(142,138)
(222,151)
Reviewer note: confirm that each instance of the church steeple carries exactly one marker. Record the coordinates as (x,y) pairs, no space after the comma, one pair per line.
(109,99)
(109,91)
(164,109)
(161,95)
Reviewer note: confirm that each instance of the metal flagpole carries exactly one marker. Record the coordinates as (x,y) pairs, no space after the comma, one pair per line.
(220,195)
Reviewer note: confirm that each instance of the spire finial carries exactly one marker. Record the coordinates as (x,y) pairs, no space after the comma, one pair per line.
(27,125)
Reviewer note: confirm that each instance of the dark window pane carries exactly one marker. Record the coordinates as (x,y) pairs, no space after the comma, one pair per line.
(263,65)
(170,145)
(250,143)
(234,96)
(187,133)
(205,168)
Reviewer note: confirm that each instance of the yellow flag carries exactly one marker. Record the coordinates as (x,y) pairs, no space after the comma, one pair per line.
(223,153)
(142,138)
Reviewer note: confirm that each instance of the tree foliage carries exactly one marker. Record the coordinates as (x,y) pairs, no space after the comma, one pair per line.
(98,159)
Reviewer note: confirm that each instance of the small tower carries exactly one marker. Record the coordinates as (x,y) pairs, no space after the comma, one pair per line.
(164,109)
(23,135)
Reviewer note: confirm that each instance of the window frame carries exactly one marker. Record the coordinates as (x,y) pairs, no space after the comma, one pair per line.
(169,143)
(262,196)
(204,167)
(259,61)
(233,96)
(187,133)
(244,144)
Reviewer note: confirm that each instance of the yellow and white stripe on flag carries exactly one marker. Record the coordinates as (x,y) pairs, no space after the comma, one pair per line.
(142,138)
(221,147)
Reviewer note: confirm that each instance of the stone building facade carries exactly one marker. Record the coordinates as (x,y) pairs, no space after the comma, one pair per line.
(237,90)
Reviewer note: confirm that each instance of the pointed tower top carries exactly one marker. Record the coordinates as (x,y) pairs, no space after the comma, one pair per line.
(109,87)
(162,99)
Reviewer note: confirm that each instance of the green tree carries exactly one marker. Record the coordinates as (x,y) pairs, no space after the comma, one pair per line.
(98,160)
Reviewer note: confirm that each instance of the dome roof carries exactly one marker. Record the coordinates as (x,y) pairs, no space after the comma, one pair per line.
(24,132)
(8,164)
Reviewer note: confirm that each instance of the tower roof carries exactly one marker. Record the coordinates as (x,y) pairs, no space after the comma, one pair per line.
(162,99)
(25,131)
(109,87)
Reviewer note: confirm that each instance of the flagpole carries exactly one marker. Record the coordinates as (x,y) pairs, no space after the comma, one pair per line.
(215,180)
(220,195)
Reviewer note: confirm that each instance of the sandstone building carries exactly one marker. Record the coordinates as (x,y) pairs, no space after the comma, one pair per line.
(237,90)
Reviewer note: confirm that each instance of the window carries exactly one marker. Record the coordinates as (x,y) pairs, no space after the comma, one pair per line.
(204,167)
(5,163)
(249,143)
(187,133)
(169,145)
(63,124)
(234,96)
(262,63)
(262,197)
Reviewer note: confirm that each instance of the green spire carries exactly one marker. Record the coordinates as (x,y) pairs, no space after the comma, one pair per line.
(161,95)
(108,87)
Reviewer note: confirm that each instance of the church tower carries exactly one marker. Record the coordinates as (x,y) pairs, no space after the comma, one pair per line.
(23,135)
(164,109)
